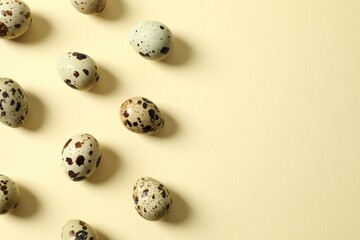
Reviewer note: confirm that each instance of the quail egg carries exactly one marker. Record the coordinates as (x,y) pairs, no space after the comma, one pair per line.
(9,195)
(151,198)
(78,230)
(15,18)
(78,70)
(89,6)
(151,39)
(13,103)
(81,156)
(140,115)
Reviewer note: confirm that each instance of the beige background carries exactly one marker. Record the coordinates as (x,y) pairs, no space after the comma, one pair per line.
(262,103)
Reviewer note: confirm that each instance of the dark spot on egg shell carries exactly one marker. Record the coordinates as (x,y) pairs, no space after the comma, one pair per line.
(5,95)
(129,123)
(163,194)
(20,92)
(72,174)
(81,235)
(152,115)
(67,144)
(144,54)
(6,13)
(144,193)
(69,161)
(80,160)
(3,29)
(147,100)
(83,224)
(18,106)
(79,56)
(68,82)
(165,50)
(98,161)
(13,91)
(78,179)
(146,129)
(78,145)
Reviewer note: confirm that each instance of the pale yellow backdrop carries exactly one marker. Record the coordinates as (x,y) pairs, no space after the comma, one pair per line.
(262,103)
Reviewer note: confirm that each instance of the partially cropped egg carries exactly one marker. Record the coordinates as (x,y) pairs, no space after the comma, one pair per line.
(15,18)
(9,194)
(76,229)
(89,6)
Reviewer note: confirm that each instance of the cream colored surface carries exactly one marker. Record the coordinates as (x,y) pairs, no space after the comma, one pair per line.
(262,103)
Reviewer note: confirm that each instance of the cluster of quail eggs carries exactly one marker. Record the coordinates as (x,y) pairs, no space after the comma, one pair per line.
(81,153)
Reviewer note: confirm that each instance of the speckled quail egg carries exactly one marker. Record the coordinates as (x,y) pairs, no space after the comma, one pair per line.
(79,71)
(9,194)
(140,115)
(89,6)
(81,156)
(151,39)
(13,103)
(15,18)
(151,198)
(78,230)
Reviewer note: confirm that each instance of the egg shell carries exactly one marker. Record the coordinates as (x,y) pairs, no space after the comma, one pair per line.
(151,198)
(15,18)
(13,103)
(78,230)
(140,115)
(151,39)
(81,156)
(78,70)
(89,6)
(9,195)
